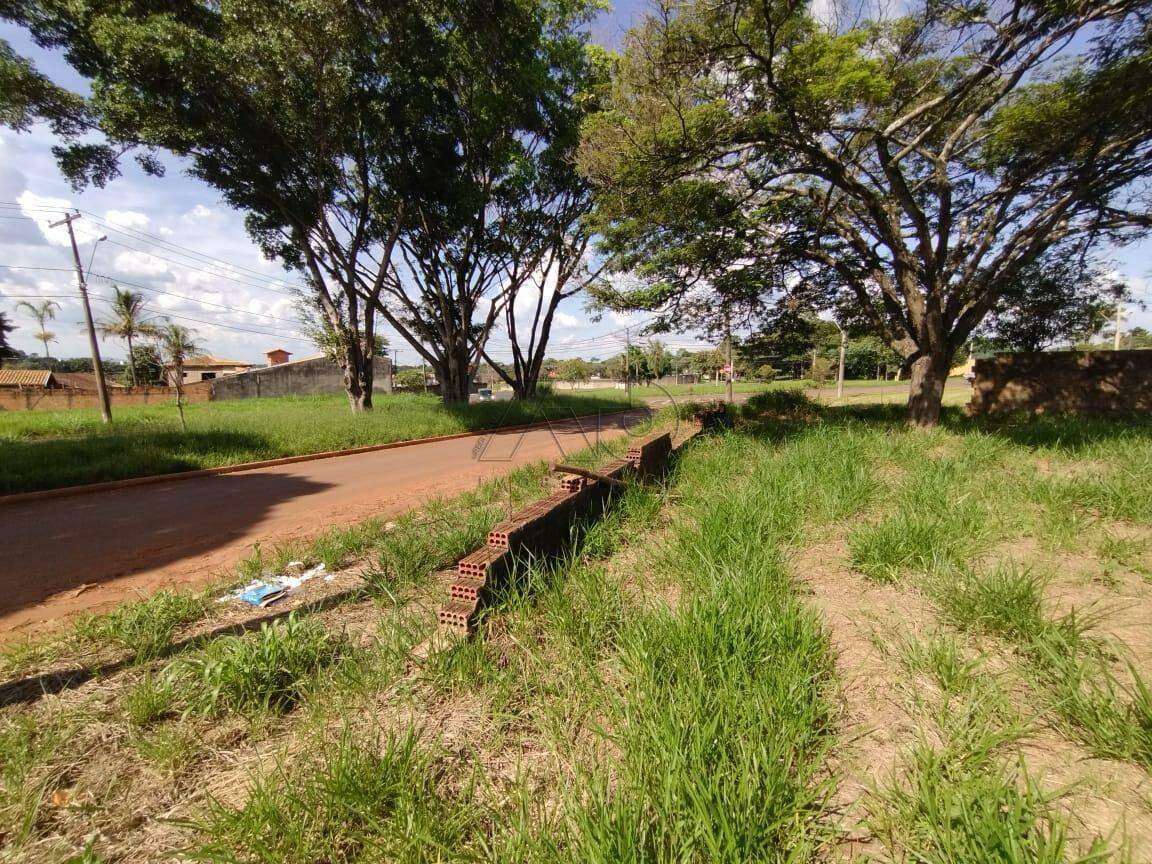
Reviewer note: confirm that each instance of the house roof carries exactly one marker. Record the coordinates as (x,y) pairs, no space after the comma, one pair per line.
(79,380)
(277,351)
(207,361)
(25,377)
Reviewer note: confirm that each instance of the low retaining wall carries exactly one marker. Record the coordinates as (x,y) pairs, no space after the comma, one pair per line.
(1095,382)
(543,529)
(36,399)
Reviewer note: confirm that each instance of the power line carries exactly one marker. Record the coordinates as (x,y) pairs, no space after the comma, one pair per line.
(244,282)
(168,246)
(117,280)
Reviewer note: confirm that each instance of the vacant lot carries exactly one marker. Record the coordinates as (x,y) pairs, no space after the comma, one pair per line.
(44,450)
(827,637)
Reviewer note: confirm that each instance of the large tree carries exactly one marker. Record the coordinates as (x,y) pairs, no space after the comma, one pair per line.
(511,225)
(376,147)
(325,122)
(903,171)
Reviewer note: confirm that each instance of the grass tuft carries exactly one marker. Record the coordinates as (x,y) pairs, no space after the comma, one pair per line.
(143,627)
(267,671)
(355,801)
(968,802)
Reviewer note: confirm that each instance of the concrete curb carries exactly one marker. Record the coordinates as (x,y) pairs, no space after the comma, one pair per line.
(109,485)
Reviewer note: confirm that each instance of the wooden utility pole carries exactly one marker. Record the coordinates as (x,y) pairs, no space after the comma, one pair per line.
(628,363)
(1119,321)
(731,366)
(840,370)
(93,344)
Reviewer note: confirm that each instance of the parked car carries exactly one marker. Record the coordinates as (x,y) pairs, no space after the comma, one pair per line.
(484,394)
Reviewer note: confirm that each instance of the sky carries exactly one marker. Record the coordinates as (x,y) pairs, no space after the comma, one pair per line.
(177,242)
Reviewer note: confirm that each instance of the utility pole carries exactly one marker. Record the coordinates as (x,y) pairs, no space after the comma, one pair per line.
(628,363)
(1119,321)
(731,367)
(93,344)
(392,369)
(840,372)
(424,373)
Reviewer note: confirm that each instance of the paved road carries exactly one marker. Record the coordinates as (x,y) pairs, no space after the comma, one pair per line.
(64,555)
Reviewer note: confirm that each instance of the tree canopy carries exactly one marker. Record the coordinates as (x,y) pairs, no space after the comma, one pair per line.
(381,150)
(902,172)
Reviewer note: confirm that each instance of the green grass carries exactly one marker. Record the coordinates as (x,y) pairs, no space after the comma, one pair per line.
(666,691)
(1110,713)
(31,766)
(45,450)
(971,801)
(356,800)
(268,671)
(143,628)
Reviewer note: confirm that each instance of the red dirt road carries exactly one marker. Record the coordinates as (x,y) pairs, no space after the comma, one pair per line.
(65,555)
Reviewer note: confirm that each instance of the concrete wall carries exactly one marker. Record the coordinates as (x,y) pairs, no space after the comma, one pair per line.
(302,378)
(1096,382)
(34,399)
(599,384)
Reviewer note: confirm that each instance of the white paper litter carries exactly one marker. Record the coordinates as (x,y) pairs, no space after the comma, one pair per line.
(287,581)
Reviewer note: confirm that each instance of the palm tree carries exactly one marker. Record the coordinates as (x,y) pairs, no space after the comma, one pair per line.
(5,329)
(126,321)
(42,312)
(176,345)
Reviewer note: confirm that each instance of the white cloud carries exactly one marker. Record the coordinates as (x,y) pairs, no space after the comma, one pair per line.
(563,319)
(127,219)
(624,319)
(200,213)
(138,264)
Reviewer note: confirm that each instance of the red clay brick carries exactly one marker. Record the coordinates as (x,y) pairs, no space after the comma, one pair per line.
(465,588)
(572,484)
(458,615)
(482,562)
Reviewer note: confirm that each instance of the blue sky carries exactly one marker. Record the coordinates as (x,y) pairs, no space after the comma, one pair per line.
(174,239)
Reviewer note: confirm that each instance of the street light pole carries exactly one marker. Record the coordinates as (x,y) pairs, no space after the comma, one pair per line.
(93,344)
(840,372)
(1119,321)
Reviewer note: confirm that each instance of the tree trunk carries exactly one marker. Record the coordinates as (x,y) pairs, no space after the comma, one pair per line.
(132,364)
(929,374)
(454,378)
(358,374)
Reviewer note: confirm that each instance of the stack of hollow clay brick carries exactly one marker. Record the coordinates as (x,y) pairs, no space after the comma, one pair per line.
(543,528)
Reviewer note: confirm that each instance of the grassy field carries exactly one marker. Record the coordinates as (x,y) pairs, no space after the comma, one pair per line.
(704,389)
(826,637)
(44,450)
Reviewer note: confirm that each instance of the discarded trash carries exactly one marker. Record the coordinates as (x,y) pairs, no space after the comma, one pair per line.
(264,592)
(264,595)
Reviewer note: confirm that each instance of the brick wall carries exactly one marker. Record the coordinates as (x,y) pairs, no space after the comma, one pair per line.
(1096,382)
(34,399)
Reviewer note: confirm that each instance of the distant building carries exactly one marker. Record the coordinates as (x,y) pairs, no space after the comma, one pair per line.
(14,379)
(80,380)
(277,356)
(207,368)
(45,379)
